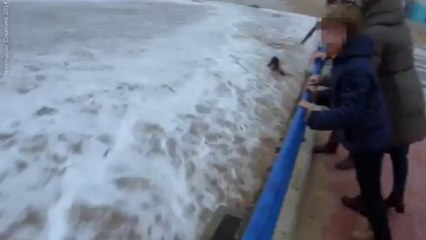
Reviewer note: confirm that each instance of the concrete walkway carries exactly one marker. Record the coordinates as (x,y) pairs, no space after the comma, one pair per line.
(324,218)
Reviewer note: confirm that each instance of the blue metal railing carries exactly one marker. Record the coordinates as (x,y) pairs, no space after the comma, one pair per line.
(263,221)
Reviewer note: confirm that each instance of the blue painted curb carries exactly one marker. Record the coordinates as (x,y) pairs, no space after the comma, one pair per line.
(264,219)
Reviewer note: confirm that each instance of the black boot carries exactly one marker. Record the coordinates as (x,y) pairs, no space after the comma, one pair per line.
(354,204)
(396,201)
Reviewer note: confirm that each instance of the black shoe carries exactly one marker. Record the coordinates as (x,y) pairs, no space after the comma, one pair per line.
(396,201)
(354,204)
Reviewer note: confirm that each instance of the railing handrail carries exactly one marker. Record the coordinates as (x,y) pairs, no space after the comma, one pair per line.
(264,219)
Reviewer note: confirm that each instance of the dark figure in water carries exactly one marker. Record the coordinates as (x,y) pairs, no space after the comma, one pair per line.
(275,66)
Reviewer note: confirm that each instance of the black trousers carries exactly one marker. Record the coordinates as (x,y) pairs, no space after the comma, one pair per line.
(399,157)
(368,168)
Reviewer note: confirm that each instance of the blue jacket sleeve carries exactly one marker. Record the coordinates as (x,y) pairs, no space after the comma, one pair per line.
(353,99)
(325,80)
(323,97)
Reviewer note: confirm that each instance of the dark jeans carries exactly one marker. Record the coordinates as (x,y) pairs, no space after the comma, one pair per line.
(399,157)
(368,171)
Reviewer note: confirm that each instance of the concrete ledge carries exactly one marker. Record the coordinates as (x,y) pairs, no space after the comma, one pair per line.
(214,230)
(287,221)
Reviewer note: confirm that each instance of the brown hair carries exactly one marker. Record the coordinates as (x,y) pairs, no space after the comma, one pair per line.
(344,14)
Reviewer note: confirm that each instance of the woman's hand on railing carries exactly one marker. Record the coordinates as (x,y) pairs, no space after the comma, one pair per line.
(308,106)
(314,80)
(312,89)
(318,54)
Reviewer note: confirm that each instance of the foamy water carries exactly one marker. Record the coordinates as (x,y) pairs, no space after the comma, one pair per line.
(137,120)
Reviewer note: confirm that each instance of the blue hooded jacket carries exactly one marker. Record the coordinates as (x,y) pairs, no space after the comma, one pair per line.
(358,110)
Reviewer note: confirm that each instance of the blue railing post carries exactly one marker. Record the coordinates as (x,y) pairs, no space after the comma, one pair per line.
(263,221)
(318,63)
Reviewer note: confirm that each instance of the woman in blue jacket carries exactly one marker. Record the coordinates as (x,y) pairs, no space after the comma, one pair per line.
(357,109)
